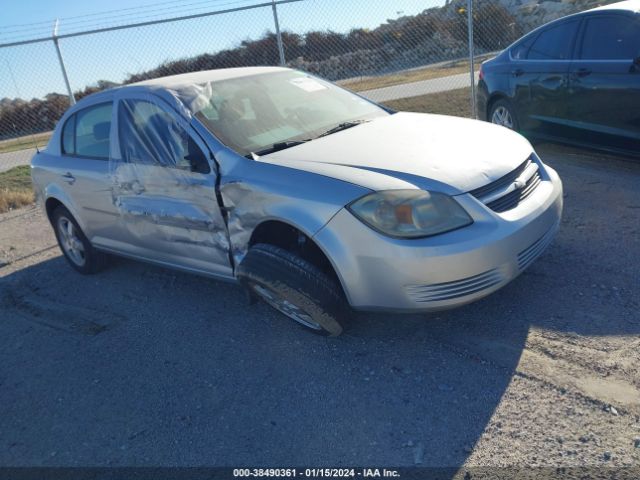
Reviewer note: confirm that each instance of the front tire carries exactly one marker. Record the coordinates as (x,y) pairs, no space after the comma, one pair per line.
(295,288)
(74,244)
(502,113)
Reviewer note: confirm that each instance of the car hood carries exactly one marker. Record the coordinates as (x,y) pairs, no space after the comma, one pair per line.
(405,150)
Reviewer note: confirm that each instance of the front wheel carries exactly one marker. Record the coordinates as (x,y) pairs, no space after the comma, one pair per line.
(295,288)
(502,113)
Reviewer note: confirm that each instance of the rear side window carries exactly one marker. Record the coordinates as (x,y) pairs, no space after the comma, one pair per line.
(520,51)
(92,130)
(554,43)
(613,37)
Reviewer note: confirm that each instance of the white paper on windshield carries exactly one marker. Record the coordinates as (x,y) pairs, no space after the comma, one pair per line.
(307,84)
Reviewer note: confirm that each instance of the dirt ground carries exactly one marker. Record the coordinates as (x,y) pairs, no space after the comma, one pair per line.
(144,366)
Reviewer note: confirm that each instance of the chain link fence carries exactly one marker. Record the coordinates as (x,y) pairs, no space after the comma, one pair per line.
(419,57)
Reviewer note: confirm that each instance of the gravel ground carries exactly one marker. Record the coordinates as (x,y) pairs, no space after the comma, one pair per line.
(144,366)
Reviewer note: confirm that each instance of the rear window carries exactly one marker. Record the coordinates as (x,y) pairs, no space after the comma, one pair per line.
(613,37)
(86,133)
(554,43)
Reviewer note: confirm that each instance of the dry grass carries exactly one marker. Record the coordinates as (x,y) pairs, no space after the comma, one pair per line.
(427,73)
(25,142)
(453,102)
(15,188)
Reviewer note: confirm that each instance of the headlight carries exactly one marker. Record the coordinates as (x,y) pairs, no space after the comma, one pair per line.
(410,213)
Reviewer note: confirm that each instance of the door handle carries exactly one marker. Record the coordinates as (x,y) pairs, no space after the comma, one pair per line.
(70,179)
(518,72)
(583,72)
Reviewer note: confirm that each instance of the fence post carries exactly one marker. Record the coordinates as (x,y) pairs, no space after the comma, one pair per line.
(54,37)
(278,34)
(472,73)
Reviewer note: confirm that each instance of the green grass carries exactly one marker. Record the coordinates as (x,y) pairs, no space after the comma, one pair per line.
(15,188)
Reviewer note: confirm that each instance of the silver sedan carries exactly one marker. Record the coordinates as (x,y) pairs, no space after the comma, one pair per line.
(312,198)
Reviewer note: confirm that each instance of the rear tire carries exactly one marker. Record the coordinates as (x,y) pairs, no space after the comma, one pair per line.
(502,113)
(74,244)
(295,288)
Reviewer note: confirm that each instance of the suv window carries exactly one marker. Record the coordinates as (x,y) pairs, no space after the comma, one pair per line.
(612,37)
(554,43)
(91,128)
(149,135)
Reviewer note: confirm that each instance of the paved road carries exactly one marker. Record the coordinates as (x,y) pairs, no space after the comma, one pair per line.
(13,159)
(144,366)
(423,87)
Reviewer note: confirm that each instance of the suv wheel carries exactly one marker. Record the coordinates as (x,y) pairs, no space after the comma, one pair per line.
(74,244)
(295,288)
(503,114)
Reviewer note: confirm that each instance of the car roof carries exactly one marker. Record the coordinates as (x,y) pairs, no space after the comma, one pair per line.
(627,5)
(173,81)
(166,87)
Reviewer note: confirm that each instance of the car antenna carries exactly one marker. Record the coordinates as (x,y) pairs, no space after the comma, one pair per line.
(15,85)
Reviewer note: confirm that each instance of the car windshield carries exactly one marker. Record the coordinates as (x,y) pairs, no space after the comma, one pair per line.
(263,113)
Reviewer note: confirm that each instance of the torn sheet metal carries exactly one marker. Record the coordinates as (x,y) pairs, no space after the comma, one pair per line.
(254,192)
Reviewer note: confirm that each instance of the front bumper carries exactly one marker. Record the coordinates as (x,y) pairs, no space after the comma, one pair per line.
(444,271)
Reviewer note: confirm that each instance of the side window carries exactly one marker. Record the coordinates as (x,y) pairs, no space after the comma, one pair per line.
(613,37)
(520,51)
(151,136)
(92,129)
(68,136)
(554,43)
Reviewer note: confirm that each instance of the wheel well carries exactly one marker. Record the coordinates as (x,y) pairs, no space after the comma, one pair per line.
(50,205)
(295,241)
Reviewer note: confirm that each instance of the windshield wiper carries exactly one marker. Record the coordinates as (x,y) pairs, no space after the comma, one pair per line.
(276,147)
(342,126)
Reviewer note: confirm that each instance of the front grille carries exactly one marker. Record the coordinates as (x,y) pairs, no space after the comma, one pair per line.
(513,198)
(456,289)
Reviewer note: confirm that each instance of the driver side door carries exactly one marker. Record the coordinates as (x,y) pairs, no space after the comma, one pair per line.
(164,188)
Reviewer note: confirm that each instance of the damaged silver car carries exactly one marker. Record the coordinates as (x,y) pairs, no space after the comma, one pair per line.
(313,198)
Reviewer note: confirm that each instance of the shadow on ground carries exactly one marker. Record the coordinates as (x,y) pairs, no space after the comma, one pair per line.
(145,366)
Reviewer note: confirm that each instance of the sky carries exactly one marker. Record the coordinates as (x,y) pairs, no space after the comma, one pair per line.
(33,70)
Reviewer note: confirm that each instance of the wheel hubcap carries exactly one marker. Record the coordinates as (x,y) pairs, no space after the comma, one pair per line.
(71,243)
(286,307)
(502,116)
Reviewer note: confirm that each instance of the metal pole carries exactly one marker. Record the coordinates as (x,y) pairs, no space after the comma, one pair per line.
(72,99)
(472,70)
(278,34)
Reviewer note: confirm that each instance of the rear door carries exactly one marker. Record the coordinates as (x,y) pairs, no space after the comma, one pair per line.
(604,89)
(83,169)
(165,189)
(540,70)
